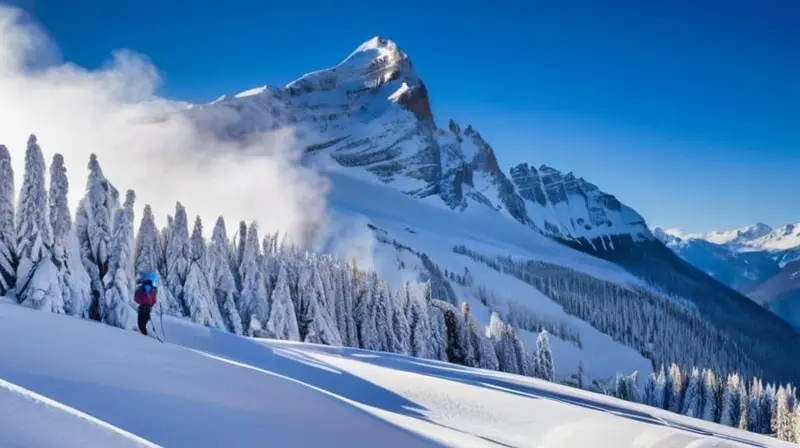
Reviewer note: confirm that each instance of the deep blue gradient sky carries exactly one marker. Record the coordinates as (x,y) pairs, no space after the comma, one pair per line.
(687,111)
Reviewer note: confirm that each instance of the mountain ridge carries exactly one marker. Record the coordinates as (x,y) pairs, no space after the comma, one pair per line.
(759,261)
(454,163)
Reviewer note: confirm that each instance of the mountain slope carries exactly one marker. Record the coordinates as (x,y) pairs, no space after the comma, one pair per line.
(97,385)
(738,270)
(781,293)
(755,260)
(369,118)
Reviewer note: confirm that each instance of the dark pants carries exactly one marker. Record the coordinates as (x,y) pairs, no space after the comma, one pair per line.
(144,317)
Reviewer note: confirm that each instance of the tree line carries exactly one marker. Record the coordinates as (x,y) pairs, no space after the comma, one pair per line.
(660,328)
(247,285)
(726,399)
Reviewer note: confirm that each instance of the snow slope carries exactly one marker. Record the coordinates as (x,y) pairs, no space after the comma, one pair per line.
(423,226)
(739,270)
(71,382)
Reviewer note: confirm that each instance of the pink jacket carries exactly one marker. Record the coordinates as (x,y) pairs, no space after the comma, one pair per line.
(143,298)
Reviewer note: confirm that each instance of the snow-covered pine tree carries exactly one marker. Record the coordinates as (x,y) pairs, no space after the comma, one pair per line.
(791,394)
(237,256)
(323,264)
(675,387)
(253,300)
(163,239)
(692,401)
(543,358)
(438,339)
(197,295)
(365,310)
(60,219)
(178,254)
(147,243)
(333,273)
(621,389)
(648,396)
(457,344)
(150,257)
(709,396)
(503,344)
(401,340)
(583,377)
(470,349)
(731,411)
(625,387)
(349,330)
(75,281)
(314,321)
(783,419)
(93,222)
(767,404)
(660,393)
(797,424)
(419,324)
(8,236)
(523,360)
(383,314)
(117,306)
(482,346)
(753,407)
(222,281)
(282,323)
(742,398)
(38,272)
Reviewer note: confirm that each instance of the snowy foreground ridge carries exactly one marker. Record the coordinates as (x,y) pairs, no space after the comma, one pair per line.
(72,382)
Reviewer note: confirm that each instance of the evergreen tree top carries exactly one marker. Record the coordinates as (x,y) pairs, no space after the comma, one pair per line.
(130,198)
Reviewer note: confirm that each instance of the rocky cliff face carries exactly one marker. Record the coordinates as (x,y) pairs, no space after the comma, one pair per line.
(372,112)
(569,207)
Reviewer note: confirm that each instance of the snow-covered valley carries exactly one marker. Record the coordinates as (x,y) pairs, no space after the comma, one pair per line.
(757,260)
(70,382)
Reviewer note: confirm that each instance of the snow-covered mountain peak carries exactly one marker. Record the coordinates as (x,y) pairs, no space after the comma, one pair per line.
(738,236)
(377,71)
(667,235)
(379,46)
(371,112)
(782,238)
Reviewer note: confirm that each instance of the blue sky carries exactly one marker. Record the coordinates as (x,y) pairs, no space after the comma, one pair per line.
(687,111)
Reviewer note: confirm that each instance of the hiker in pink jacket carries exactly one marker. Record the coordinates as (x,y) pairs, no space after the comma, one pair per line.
(146,295)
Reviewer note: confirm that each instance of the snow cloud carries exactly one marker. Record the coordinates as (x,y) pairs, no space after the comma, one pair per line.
(145,142)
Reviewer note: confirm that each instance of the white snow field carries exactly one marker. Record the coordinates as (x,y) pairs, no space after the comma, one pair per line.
(68,382)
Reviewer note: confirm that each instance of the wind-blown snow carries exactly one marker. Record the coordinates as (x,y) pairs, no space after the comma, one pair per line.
(95,385)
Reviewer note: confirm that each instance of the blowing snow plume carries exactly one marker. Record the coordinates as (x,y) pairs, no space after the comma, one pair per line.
(145,142)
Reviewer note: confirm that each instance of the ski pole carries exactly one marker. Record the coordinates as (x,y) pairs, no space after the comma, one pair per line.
(161,318)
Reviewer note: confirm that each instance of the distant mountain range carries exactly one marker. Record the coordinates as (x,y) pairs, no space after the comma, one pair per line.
(757,260)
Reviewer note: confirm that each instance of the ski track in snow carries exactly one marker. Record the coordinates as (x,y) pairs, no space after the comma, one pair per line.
(20,406)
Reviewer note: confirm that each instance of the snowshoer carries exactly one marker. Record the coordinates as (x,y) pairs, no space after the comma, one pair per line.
(146,293)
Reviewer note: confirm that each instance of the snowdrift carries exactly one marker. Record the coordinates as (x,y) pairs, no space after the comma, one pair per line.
(71,382)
